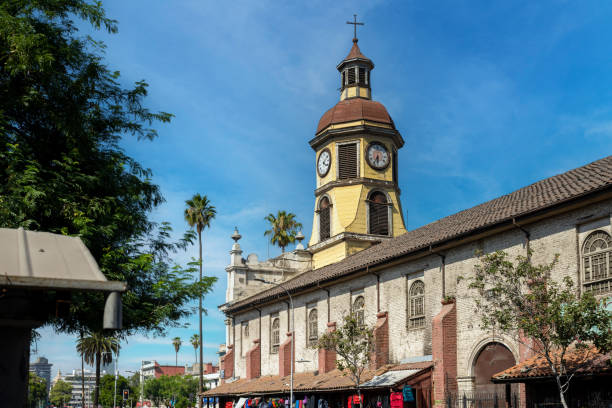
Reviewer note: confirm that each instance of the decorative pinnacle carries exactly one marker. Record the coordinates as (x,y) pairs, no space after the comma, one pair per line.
(236,236)
(299,236)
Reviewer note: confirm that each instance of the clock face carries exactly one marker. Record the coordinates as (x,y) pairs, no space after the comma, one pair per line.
(324,162)
(377,155)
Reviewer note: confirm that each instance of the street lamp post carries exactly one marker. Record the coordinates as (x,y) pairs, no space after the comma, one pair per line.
(292,332)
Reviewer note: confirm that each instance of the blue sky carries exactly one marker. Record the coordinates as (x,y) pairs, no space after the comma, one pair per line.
(489,97)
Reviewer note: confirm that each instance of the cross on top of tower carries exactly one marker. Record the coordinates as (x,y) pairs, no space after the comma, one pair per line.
(355,24)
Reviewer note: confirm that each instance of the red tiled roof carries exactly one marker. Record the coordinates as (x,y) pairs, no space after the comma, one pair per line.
(589,179)
(353,109)
(302,382)
(583,362)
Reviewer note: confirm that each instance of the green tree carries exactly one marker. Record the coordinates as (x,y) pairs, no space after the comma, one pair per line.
(180,389)
(37,390)
(134,380)
(195,342)
(60,393)
(96,348)
(198,214)
(549,316)
(107,389)
(284,228)
(176,342)
(63,113)
(353,344)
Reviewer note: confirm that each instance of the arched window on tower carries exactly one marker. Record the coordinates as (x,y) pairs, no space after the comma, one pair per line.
(597,262)
(359,310)
(324,219)
(313,330)
(378,214)
(416,305)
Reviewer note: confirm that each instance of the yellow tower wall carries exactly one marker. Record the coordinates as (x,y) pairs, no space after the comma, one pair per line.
(329,255)
(349,206)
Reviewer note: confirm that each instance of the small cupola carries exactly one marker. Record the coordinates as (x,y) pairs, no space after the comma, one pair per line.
(355,72)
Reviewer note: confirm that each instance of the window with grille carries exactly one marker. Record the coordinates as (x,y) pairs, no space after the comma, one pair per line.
(351,76)
(347,161)
(324,219)
(313,329)
(343,79)
(379,214)
(275,335)
(368,75)
(359,310)
(416,305)
(597,263)
(362,76)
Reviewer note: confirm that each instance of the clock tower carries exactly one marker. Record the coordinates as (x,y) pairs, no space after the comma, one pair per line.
(357,196)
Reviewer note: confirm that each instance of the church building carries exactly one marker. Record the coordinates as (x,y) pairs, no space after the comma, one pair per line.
(360,259)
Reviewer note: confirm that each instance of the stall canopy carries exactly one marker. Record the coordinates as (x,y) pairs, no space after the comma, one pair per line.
(385,377)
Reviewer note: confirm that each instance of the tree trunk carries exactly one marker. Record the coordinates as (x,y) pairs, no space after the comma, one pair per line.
(561,394)
(359,395)
(201,380)
(97,387)
(176,358)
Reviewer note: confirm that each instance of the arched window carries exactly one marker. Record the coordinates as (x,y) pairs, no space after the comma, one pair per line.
(313,329)
(359,310)
(378,214)
(324,219)
(275,335)
(416,305)
(597,262)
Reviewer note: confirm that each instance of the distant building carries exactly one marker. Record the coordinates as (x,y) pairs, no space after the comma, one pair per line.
(74,379)
(152,369)
(42,368)
(211,374)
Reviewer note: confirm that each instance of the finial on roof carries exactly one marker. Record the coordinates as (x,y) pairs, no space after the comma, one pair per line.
(299,237)
(355,24)
(236,236)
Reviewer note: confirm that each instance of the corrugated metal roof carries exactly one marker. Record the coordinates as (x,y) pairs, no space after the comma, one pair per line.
(35,259)
(390,378)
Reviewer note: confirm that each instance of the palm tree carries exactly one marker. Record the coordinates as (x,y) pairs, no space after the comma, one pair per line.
(284,228)
(176,342)
(198,214)
(96,348)
(195,342)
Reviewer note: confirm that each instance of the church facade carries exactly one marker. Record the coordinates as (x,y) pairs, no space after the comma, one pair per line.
(361,259)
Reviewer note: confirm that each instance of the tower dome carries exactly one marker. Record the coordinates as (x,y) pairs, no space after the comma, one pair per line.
(355,109)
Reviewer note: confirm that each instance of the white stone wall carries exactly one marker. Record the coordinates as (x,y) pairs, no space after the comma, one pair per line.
(562,234)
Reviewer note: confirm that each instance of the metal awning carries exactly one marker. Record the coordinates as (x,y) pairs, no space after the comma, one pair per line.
(42,260)
(390,378)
